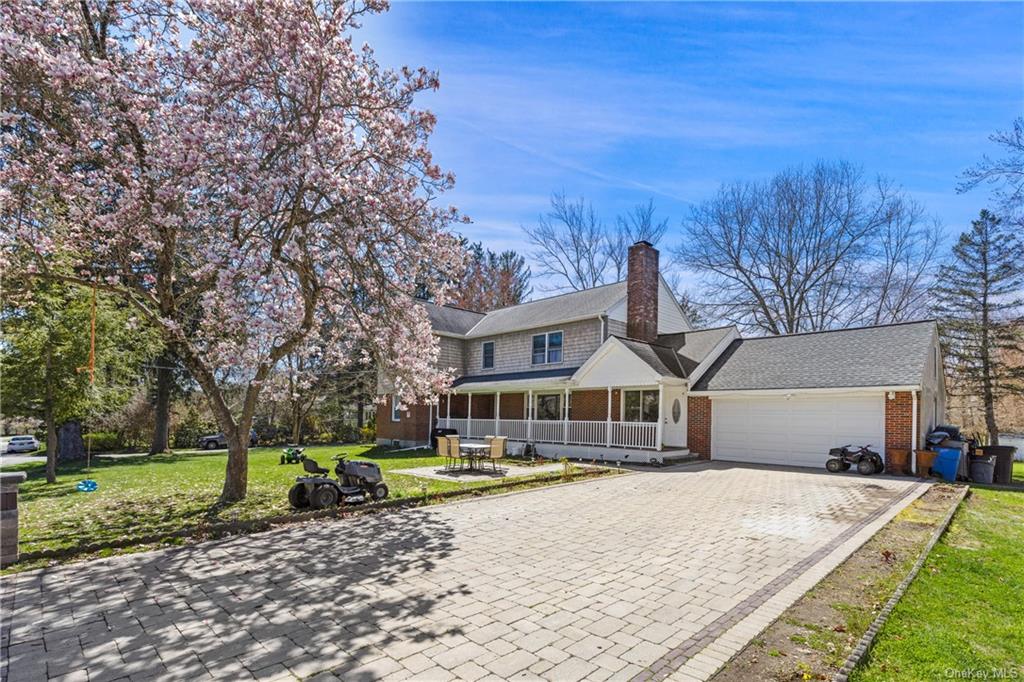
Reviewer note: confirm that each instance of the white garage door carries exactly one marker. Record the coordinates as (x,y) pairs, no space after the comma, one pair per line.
(795,432)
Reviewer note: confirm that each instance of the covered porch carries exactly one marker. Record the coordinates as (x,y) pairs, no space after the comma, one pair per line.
(651,417)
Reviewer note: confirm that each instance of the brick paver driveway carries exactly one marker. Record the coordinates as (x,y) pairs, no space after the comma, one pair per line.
(656,574)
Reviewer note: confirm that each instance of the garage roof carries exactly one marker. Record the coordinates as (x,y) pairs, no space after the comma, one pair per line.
(890,355)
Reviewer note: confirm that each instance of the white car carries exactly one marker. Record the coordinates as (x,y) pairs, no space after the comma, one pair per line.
(22,444)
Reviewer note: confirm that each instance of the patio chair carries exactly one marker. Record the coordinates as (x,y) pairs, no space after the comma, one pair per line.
(497,450)
(454,452)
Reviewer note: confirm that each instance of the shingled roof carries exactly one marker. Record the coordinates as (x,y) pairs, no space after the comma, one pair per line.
(449,319)
(890,355)
(550,311)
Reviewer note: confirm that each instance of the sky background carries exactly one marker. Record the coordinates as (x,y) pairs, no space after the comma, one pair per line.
(625,102)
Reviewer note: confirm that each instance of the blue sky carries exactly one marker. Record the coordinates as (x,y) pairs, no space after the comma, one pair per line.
(622,102)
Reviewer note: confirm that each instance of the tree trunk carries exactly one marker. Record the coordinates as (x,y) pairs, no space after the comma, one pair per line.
(48,417)
(296,423)
(71,446)
(162,416)
(236,476)
(359,414)
(51,444)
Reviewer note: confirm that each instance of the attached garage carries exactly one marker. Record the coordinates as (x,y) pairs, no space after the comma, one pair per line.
(797,430)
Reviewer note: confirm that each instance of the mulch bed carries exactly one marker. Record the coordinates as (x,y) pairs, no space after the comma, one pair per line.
(813,638)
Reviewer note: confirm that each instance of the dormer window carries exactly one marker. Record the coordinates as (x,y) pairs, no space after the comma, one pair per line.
(547,348)
(488,355)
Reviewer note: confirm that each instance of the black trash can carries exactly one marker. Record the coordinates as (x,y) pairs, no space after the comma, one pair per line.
(982,469)
(1004,462)
(441,432)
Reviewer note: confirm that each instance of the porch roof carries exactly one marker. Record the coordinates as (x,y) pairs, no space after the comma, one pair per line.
(556,373)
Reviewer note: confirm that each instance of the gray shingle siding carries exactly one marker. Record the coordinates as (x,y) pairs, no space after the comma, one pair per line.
(893,355)
(513,351)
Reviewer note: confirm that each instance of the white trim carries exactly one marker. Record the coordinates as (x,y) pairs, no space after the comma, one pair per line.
(395,408)
(747,393)
(913,430)
(719,348)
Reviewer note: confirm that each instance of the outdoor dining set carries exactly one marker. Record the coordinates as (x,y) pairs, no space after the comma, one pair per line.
(471,456)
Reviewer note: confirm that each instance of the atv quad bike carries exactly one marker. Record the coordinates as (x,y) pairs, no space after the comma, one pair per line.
(292,455)
(357,481)
(866,460)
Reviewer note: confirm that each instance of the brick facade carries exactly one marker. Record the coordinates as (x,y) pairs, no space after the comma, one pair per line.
(592,405)
(412,427)
(642,292)
(698,425)
(899,421)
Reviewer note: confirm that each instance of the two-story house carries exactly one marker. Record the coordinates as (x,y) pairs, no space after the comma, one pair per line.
(617,373)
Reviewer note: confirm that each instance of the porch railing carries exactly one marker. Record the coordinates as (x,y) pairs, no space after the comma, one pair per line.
(642,435)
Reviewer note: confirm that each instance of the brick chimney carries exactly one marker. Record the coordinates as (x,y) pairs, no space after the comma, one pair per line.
(642,292)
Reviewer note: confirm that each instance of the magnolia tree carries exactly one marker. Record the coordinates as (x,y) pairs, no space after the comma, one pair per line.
(240,172)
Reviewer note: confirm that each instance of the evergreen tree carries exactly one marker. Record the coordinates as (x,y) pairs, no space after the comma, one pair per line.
(978,303)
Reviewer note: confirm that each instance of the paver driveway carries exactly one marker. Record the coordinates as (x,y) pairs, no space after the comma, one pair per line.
(657,574)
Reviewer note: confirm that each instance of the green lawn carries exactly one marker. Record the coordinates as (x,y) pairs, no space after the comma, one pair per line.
(1018,473)
(962,617)
(143,495)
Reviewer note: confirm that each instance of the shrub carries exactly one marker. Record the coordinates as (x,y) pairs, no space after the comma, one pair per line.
(103,441)
(368,434)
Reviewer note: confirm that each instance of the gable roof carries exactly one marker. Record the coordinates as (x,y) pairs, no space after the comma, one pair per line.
(693,347)
(550,311)
(890,355)
(662,359)
(449,319)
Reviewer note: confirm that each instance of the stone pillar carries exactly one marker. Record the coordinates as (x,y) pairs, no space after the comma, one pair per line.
(9,482)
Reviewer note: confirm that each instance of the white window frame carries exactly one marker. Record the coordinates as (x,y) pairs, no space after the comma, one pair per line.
(548,394)
(622,403)
(547,348)
(483,355)
(396,413)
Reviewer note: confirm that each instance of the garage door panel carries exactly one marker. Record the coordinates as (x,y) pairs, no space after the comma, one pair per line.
(795,432)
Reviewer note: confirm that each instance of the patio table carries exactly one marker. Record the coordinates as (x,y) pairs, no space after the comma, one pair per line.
(474,450)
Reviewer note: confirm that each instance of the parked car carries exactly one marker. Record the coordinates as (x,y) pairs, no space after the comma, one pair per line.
(220,441)
(22,444)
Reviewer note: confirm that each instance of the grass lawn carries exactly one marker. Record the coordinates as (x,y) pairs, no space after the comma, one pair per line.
(1018,473)
(961,617)
(142,495)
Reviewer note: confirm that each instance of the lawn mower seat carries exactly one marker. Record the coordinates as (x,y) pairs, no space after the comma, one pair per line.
(311,467)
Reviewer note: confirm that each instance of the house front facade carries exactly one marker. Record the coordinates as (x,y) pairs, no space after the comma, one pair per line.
(617,373)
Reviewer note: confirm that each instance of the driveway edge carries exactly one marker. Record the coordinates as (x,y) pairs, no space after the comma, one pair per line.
(868,639)
(710,658)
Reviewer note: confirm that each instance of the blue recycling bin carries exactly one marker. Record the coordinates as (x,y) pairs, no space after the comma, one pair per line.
(947,463)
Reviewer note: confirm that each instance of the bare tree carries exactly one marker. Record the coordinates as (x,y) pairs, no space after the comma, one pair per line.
(569,243)
(492,280)
(639,224)
(1004,175)
(800,252)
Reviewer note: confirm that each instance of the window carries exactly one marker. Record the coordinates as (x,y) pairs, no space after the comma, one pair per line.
(640,406)
(396,412)
(549,407)
(488,354)
(547,348)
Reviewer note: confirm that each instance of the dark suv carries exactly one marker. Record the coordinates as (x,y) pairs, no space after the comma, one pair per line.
(220,441)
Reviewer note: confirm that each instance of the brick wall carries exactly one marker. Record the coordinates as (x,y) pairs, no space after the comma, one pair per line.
(512,406)
(592,405)
(642,292)
(413,426)
(698,425)
(899,421)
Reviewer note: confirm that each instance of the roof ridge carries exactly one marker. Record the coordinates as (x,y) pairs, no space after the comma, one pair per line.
(548,298)
(450,305)
(836,331)
(647,343)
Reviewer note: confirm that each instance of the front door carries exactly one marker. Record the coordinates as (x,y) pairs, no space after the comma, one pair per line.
(673,416)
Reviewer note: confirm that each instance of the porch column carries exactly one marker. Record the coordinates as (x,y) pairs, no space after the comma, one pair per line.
(448,413)
(469,415)
(608,426)
(661,412)
(497,413)
(565,418)
(529,416)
